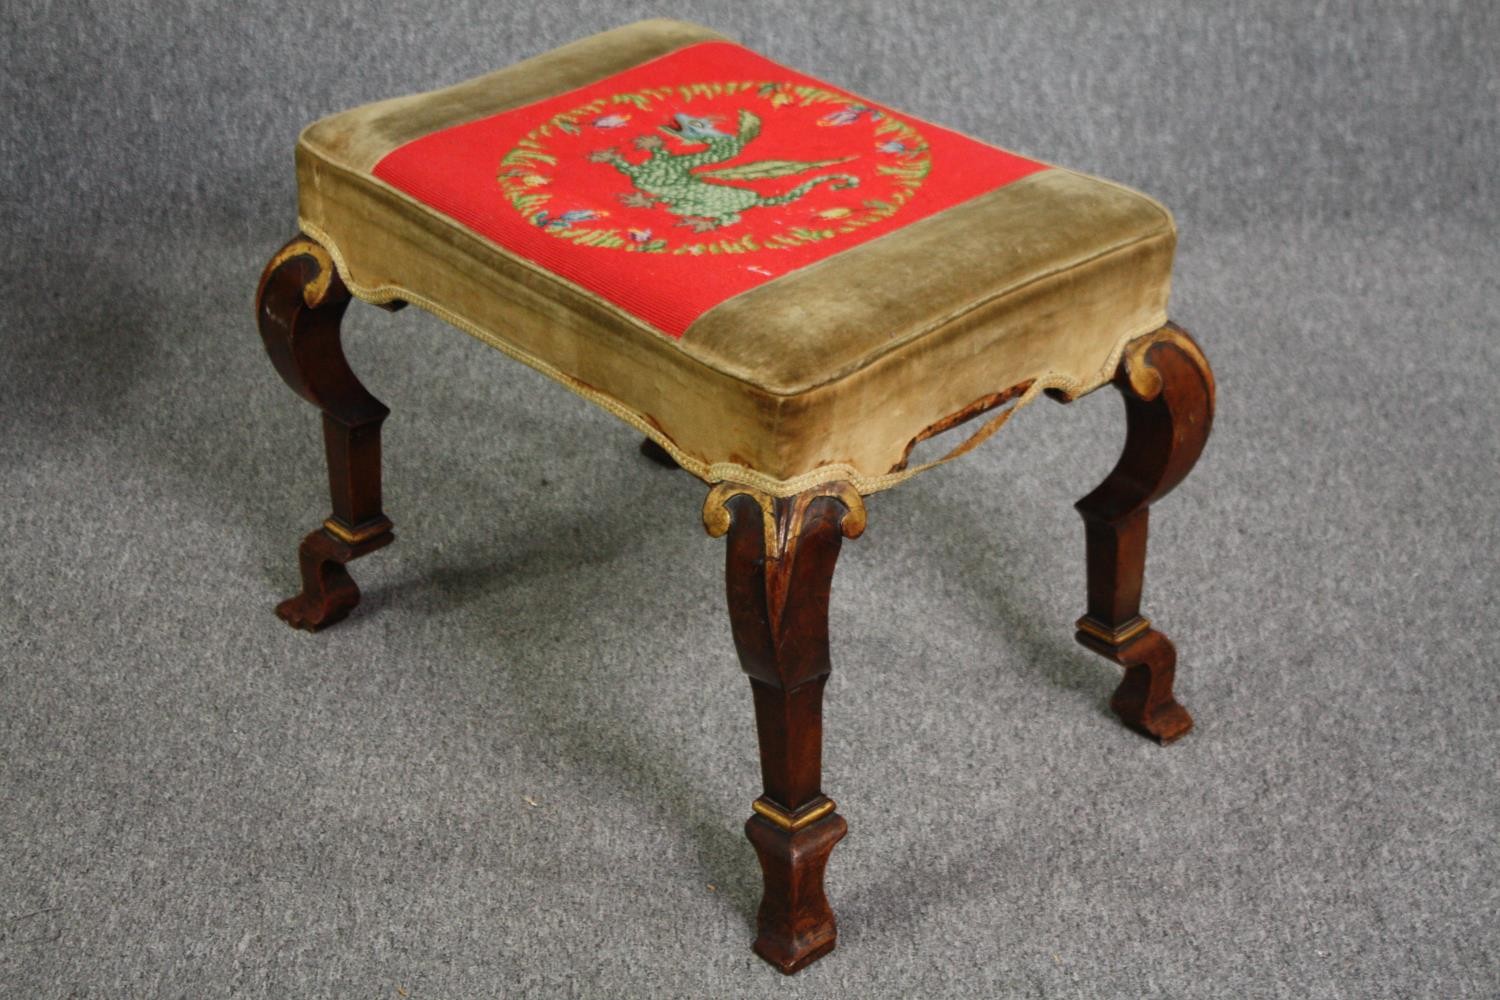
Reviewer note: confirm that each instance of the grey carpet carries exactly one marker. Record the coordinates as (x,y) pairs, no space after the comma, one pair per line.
(520,769)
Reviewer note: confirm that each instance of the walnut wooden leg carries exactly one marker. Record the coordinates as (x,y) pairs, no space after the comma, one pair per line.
(298,307)
(1169,407)
(778,573)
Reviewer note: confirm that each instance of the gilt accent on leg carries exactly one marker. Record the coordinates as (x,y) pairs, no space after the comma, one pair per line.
(1169,405)
(299,306)
(778,575)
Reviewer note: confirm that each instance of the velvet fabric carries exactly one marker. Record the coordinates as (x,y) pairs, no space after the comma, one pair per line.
(828,372)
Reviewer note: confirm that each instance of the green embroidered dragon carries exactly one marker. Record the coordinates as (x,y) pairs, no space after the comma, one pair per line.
(667,178)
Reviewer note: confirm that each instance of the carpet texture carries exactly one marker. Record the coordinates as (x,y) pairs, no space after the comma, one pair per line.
(521,767)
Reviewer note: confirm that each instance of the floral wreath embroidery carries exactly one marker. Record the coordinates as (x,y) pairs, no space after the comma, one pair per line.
(686,175)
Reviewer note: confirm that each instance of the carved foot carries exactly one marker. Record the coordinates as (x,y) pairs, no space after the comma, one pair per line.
(1169,406)
(795,923)
(1144,699)
(328,591)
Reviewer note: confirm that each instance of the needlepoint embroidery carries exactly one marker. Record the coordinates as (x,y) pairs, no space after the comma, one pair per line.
(697,181)
(722,182)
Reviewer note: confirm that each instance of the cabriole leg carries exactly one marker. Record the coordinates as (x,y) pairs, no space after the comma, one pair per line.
(298,308)
(778,573)
(1169,407)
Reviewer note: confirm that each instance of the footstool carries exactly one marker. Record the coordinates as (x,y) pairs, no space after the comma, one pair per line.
(784,288)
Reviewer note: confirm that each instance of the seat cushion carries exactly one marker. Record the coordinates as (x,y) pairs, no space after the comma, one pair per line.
(779,281)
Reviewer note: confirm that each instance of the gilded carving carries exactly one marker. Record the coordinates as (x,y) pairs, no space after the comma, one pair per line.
(782,522)
(316,289)
(1145,379)
(782,531)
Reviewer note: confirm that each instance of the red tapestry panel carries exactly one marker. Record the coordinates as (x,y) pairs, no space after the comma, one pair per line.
(684,181)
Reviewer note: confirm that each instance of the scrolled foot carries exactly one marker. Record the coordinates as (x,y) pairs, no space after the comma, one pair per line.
(1144,699)
(328,591)
(312,612)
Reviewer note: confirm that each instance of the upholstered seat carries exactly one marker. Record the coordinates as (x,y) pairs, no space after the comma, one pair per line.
(786,287)
(779,282)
